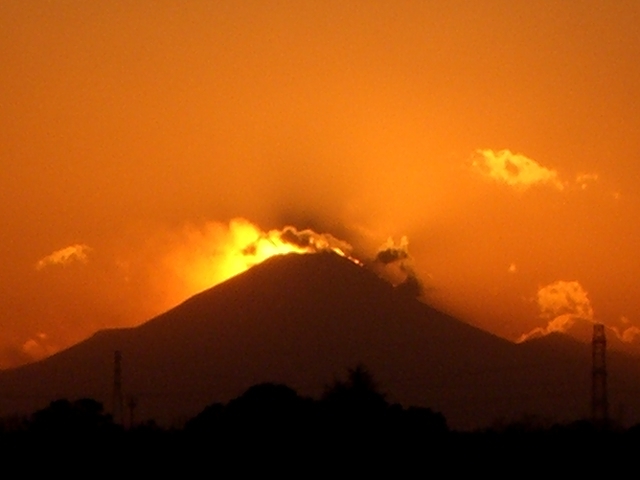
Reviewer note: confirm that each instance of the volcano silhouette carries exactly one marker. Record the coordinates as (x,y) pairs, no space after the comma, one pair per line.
(303,320)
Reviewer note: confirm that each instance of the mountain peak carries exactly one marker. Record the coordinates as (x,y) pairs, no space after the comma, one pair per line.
(301,320)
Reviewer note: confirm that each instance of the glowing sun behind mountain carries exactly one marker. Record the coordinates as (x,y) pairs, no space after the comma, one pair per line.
(215,253)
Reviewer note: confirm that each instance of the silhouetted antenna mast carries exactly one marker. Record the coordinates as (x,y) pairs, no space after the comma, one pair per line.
(118,404)
(599,402)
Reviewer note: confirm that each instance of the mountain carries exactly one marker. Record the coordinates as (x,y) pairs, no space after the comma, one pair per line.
(303,320)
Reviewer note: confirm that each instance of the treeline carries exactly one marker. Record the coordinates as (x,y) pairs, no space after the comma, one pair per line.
(269,421)
(353,411)
(351,408)
(273,420)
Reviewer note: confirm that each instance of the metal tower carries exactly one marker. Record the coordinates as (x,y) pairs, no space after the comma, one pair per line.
(118,404)
(599,402)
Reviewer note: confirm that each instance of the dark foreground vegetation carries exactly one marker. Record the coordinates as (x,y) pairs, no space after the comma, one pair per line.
(271,426)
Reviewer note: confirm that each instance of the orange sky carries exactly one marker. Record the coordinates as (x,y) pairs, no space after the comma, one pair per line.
(500,137)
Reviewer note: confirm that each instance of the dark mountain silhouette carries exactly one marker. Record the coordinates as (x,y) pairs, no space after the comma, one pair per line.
(303,320)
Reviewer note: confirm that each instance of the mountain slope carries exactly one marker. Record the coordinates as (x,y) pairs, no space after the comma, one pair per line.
(303,320)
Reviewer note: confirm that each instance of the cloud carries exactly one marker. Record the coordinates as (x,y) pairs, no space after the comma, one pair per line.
(291,239)
(316,242)
(562,302)
(514,169)
(64,256)
(390,252)
(628,333)
(567,302)
(38,347)
(560,324)
(584,179)
(563,297)
(199,257)
(397,267)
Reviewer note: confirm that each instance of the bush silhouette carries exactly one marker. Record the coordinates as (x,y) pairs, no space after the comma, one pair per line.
(81,416)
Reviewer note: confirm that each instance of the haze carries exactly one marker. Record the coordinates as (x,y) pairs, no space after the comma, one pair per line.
(493,142)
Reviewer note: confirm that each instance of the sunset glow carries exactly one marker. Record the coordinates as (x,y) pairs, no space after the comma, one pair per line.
(217,252)
(151,151)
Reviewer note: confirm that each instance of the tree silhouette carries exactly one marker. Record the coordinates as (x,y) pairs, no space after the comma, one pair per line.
(79,417)
(265,415)
(359,393)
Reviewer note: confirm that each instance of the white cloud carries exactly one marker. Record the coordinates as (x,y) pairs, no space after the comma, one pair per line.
(562,302)
(514,169)
(565,303)
(564,297)
(64,256)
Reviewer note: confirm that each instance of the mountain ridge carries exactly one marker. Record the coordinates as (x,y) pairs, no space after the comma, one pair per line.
(303,320)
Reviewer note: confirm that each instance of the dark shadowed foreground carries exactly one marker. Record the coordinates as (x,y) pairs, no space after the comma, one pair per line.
(270,428)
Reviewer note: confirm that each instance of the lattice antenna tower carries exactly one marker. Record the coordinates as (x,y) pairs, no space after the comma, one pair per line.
(599,401)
